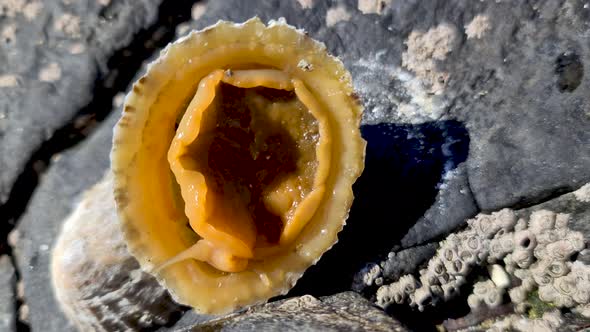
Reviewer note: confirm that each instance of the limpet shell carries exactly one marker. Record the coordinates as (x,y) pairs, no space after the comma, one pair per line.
(201,209)
(98,284)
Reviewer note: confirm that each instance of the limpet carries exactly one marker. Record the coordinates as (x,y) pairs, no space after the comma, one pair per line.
(233,164)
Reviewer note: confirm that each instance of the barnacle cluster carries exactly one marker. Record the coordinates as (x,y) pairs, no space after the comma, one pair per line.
(521,257)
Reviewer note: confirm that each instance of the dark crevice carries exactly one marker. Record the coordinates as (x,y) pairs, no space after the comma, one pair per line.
(120,71)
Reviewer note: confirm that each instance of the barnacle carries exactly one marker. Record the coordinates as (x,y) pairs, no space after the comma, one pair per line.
(234,164)
(485,292)
(537,257)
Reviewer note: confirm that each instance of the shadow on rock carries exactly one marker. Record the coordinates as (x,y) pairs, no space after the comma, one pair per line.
(403,169)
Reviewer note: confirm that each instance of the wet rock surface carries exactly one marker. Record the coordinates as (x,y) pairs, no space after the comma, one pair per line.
(470,106)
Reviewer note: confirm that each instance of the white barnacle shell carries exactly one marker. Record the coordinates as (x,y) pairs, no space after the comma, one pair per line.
(384,297)
(583,310)
(521,224)
(520,293)
(436,266)
(582,294)
(422,297)
(561,250)
(551,321)
(469,257)
(494,297)
(472,242)
(457,267)
(474,301)
(509,263)
(525,240)
(499,276)
(522,257)
(541,220)
(485,292)
(500,246)
(559,293)
(429,278)
(562,220)
(557,268)
(388,294)
(484,225)
(540,274)
(408,284)
(98,284)
(450,290)
(397,292)
(505,219)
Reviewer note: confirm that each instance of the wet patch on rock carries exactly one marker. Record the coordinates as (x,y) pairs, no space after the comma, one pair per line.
(570,71)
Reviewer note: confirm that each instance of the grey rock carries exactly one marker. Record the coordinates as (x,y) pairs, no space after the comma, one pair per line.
(528,124)
(73,172)
(7,295)
(453,205)
(341,312)
(51,54)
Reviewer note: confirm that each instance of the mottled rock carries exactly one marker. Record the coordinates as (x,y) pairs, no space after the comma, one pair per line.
(521,90)
(51,55)
(341,312)
(7,295)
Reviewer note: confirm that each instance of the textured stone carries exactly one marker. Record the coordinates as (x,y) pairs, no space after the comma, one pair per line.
(7,295)
(520,89)
(341,312)
(51,54)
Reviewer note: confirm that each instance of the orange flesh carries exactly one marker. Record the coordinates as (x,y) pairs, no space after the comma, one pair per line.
(244,156)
